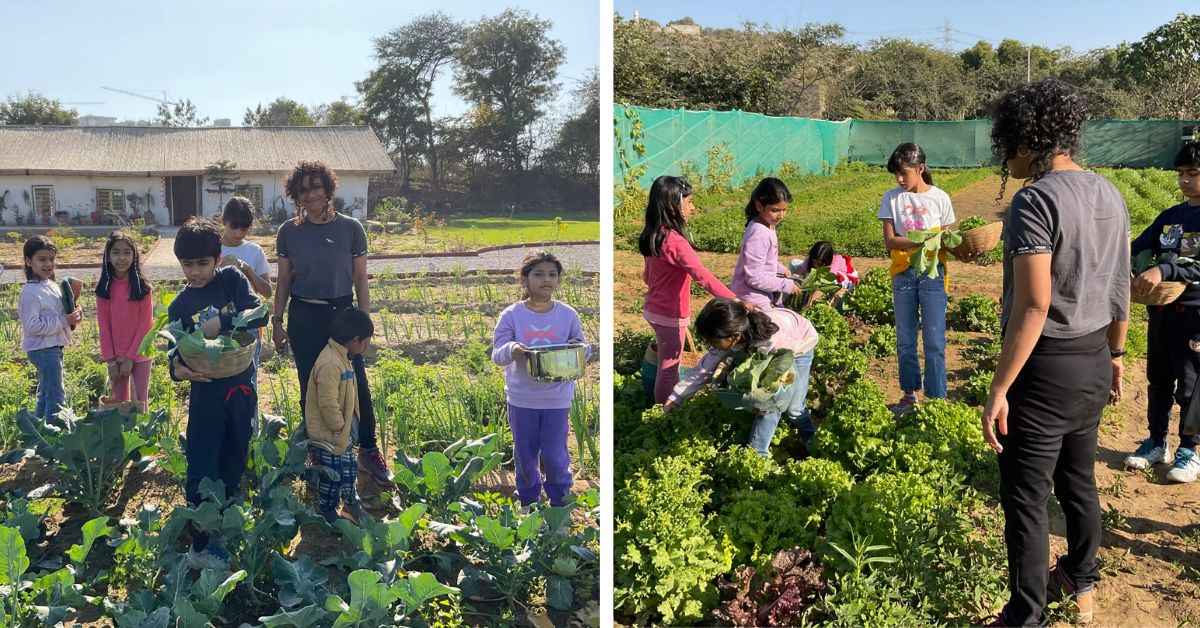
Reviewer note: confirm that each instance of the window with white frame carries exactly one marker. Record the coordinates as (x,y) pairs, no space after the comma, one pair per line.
(109,200)
(43,200)
(252,192)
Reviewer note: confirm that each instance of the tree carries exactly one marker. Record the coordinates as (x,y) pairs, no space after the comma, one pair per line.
(1166,64)
(338,113)
(576,150)
(223,176)
(34,108)
(281,112)
(180,114)
(906,80)
(507,66)
(395,94)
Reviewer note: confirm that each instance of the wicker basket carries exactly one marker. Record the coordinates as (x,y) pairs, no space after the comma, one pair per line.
(1163,293)
(979,240)
(228,364)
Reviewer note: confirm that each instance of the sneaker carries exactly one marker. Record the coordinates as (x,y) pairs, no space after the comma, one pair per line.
(907,402)
(1059,585)
(1186,466)
(1147,455)
(371,462)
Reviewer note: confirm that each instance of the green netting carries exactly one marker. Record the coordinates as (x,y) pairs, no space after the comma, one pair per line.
(757,143)
(760,144)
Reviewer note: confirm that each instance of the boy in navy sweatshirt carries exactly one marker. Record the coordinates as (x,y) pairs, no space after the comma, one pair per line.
(1173,339)
(219,410)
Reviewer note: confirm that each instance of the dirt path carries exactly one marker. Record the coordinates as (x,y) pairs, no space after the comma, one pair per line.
(1150,562)
(979,199)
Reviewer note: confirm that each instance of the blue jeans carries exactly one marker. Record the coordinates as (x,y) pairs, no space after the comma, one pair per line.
(921,301)
(764,424)
(49,365)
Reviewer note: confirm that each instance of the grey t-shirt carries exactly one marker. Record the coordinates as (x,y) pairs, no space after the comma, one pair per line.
(1080,219)
(322,256)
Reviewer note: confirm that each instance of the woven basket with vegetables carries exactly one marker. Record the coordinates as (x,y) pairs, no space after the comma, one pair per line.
(217,358)
(759,381)
(978,237)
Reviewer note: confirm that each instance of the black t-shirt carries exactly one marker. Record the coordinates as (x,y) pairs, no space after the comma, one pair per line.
(1080,219)
(1175,233)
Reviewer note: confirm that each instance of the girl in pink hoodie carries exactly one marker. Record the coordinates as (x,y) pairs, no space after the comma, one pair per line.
(759,278)
(670,266)
(125,311)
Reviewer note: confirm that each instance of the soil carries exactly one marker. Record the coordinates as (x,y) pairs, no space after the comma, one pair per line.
(1150,564)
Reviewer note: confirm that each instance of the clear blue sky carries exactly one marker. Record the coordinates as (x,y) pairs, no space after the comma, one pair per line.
(1082,25)
(227,55)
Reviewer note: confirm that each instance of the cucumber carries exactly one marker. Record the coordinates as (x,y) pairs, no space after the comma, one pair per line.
(68,296)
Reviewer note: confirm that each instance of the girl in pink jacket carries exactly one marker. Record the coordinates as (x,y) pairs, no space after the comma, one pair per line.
(125,312)
(670,266)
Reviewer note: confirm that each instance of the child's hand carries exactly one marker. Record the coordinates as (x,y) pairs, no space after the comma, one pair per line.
(1147,280)
(184,372)
(211,327)
(74,317)
(670,406)
(126,366)
(229,260)
(519,350)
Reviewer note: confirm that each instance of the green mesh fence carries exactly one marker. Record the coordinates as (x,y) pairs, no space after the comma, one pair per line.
(761,144)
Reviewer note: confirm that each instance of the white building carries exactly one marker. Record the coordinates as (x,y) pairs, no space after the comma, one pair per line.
(51,172)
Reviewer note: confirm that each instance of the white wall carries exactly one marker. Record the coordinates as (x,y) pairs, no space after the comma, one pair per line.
(77,194)
(351,188)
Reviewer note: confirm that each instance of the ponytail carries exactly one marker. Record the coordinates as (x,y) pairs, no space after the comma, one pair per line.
(726,318)
(768,192)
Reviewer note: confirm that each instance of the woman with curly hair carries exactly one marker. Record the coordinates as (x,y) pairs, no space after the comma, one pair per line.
(1065,314)
(322,263)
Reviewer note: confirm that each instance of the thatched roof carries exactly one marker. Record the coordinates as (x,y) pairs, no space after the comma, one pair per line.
(160,151)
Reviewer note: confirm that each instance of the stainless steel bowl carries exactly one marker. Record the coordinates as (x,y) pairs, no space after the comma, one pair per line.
(556,363)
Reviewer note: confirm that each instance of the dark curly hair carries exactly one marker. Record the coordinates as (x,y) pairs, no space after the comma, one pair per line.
(300,174)
(725,318)
(1188,155)
(1045,117)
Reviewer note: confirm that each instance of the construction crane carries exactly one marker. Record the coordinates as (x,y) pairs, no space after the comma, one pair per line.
(83,103)
(162,100)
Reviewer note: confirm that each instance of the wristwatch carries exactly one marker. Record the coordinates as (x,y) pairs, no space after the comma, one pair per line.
(276,318)
(1117,353)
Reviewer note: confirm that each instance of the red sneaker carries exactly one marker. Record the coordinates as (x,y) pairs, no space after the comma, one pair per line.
(371,462)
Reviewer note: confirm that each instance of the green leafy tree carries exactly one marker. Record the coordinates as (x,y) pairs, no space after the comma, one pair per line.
(338,113)
(1166,63)
(180,114)
(223,176)
(281,112)
(397,95)
(507,66)
(576,150)
(34,108)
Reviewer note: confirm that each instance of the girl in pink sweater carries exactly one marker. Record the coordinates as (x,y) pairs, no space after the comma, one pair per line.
(125,311)
(670,266)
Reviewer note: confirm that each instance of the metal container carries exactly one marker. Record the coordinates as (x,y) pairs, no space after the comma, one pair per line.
(556,363)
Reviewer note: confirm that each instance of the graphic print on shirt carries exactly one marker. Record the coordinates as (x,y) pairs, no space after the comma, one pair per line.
(913,215)
(543,335)
(1170,237)
(1189,244)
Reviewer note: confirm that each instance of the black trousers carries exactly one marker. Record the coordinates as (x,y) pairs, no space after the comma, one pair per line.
(308,330)
(1054,412)
(218,438)
(1171,367)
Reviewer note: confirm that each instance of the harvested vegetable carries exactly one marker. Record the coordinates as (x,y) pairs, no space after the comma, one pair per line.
(925,260)
(761,375)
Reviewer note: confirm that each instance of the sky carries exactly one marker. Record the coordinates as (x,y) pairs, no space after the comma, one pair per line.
(1081,25)
(227,56)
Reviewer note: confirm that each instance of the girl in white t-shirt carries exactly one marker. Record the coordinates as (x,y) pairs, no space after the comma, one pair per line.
(916,204)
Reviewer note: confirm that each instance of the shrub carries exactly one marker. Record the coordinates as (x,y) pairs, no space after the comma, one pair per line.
(882,341)
(629,348)
(975,312)
(857,432)
(871,300)
(666,557)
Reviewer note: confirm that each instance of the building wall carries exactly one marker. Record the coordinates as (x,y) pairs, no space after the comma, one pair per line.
(76,194)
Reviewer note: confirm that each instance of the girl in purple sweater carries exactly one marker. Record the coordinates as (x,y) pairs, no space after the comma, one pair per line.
(756,277)
(537,411)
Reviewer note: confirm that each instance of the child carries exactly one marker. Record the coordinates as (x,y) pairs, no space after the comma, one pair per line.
(331,418)
(1174,332)
(219,410)
(729,326)
(45,325)
(248,257)
(821,255)
(537,411)
(759,278)
(125,313)
(916,204)
(670,266)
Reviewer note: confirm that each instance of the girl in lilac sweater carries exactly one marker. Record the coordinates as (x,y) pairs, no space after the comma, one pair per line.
(537,411)
(45,326)
(756,278)
(125,313)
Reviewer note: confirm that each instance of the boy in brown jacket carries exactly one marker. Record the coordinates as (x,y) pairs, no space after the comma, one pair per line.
(331,414)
